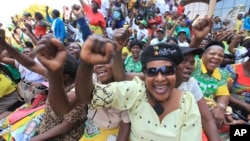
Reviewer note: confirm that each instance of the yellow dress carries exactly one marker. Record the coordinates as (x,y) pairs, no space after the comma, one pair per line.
(180,125)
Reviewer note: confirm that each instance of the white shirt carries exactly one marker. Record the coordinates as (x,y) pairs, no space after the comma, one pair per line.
(156,41)
(192,86)
(141,33)
(238,53)
(104,6)
(161,5)
(29,75)
(183,44)
(109,31)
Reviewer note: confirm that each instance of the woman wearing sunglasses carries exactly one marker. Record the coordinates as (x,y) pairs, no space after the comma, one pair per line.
(157,110)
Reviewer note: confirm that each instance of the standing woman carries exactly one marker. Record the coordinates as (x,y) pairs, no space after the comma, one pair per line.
(40,25)
(94,17)
(57,24)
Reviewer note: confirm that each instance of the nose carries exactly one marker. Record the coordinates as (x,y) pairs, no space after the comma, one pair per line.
(159,77)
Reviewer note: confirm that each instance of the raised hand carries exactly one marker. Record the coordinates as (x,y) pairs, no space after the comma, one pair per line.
(203,27)
(120,36)
(46,8)
(97,50)
(51,53)
(77,11)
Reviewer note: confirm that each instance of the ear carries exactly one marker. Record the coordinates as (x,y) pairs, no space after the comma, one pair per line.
(67,80)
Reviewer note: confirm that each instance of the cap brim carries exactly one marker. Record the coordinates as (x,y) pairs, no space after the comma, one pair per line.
(195,51)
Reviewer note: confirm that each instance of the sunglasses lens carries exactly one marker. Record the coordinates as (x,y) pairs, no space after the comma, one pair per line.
(165,70)
(152,71)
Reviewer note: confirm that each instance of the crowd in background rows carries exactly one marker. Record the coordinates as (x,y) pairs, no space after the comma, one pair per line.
(215,68)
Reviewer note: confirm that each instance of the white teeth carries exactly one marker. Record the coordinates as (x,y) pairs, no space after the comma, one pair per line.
(160,87)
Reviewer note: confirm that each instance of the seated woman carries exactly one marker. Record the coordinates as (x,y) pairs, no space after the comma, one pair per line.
(240,90)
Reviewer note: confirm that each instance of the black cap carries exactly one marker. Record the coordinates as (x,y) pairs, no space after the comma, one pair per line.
(195,51)
(162,51)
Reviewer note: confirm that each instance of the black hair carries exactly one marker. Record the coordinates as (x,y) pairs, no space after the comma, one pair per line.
(56,13)
(246,43)
(70,66)
(135,42)
(173,39)
(29,44)
(212,43)
(38,16)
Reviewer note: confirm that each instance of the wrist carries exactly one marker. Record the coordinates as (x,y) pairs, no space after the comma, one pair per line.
(221,106)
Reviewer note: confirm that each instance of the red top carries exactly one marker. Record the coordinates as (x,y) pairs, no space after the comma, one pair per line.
(40,30)
(95,19)
(180,10)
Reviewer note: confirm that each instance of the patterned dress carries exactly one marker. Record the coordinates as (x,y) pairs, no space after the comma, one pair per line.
(145,123)
(211,85)
(77,116)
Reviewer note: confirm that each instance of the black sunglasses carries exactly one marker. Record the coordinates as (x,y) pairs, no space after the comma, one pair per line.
(165,70)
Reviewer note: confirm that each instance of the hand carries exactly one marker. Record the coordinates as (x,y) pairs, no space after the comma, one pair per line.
(120,36)
(97,50)
(77,11)
(219,117)
(46,8)
(203,27)
(51,53)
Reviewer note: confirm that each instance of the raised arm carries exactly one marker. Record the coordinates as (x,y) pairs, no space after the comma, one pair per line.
(96,50)
(84,27)
(26,61)
(201,29)
(52,54)
(120,36)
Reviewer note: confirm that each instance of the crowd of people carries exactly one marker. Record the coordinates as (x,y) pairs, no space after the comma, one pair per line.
(124,70)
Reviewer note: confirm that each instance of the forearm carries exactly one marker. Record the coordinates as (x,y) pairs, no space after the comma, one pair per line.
(84,84)
(55,131)
(82,2)
(21,58)
(208,122)
(8,61)
(117,67)
(84,28)
(33,38)
(195,42)
(238,103)
(57,97)
(224,100)
(124,131)
(232,46)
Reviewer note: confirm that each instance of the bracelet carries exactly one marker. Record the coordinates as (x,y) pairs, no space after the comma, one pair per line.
(234,122)
(220,105)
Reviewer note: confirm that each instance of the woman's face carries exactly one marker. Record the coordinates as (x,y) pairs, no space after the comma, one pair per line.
(160,84)
(104,73)
(184,70)
(136,50)
(27,51)
(203,44)
(74,49)
(213,57)
(94,5)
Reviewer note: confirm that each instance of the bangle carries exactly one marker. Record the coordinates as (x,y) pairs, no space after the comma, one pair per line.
(234,122)
(220,105)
